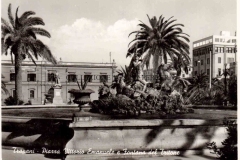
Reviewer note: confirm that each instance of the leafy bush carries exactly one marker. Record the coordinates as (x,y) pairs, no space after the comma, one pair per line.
(232,87)
(229,150)
(10,101)
(121,104)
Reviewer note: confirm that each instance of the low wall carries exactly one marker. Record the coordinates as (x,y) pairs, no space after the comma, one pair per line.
(145,135)
(219,107)
(84,133)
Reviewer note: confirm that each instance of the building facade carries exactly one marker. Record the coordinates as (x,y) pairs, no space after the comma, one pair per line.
(149,75)
(210,54)
(37,80)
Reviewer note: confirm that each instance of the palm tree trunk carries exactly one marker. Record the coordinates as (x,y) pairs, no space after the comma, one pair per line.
(18,77)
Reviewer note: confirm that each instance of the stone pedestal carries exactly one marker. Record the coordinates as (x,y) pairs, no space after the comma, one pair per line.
(57,99)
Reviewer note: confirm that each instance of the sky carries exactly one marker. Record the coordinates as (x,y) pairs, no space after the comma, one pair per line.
(88,30)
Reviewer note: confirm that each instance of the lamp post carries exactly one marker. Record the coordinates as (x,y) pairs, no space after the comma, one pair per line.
(198,67)
(225,74)
(210,70)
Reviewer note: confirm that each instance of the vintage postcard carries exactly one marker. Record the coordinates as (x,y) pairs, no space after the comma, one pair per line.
(123,79)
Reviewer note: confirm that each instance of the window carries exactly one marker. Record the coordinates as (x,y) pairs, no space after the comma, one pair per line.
(219,59)
(216,49)
(31,94)
(221,39)
(219,71)
(12,76)
(208,60)
(230,60)
(51,77)
(183,75)
(234,41)
(13,93)
(201,62)
(208,72)
(195,63)
(88,78)
(72,78)
(235,49)
(31,77)
(229,41)
(221,49)
(195,73)
(103,78)
(227,50)
(216,39)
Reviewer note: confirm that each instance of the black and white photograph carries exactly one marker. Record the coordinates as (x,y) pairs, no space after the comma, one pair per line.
(119,79)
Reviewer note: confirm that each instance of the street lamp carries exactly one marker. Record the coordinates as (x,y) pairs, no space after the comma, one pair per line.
(210,70)
(198,67)
(225,74)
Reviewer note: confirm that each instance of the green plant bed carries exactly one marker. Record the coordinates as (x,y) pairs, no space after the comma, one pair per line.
(121,104)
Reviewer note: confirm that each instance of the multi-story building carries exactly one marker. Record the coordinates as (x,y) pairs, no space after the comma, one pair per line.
(37,80)
(210,54)
(149,75)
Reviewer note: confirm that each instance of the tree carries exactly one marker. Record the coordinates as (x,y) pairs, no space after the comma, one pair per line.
(19,39)
(198,88)
(161,39)
(200,92)
(232,89)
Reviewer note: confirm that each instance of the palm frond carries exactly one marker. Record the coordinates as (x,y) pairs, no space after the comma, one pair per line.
(31,21)
(25,15)
(10,16)
(6,25)
(39,31)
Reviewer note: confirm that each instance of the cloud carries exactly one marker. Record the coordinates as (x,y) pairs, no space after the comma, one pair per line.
(91,41)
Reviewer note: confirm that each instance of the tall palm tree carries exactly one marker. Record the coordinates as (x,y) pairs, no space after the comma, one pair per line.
(19,39)
(160,40)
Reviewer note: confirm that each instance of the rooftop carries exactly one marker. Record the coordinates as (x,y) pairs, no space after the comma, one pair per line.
(62,64)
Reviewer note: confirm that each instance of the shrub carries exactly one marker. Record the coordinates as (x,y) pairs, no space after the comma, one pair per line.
(10,101)
(229,150)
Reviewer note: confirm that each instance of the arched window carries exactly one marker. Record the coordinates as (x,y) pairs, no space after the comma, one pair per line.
(13,93)
(31,94)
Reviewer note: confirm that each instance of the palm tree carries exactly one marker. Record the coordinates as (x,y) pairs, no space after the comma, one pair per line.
(126,74)
(19,39)
(161,39)
(198,88)
(200,91)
